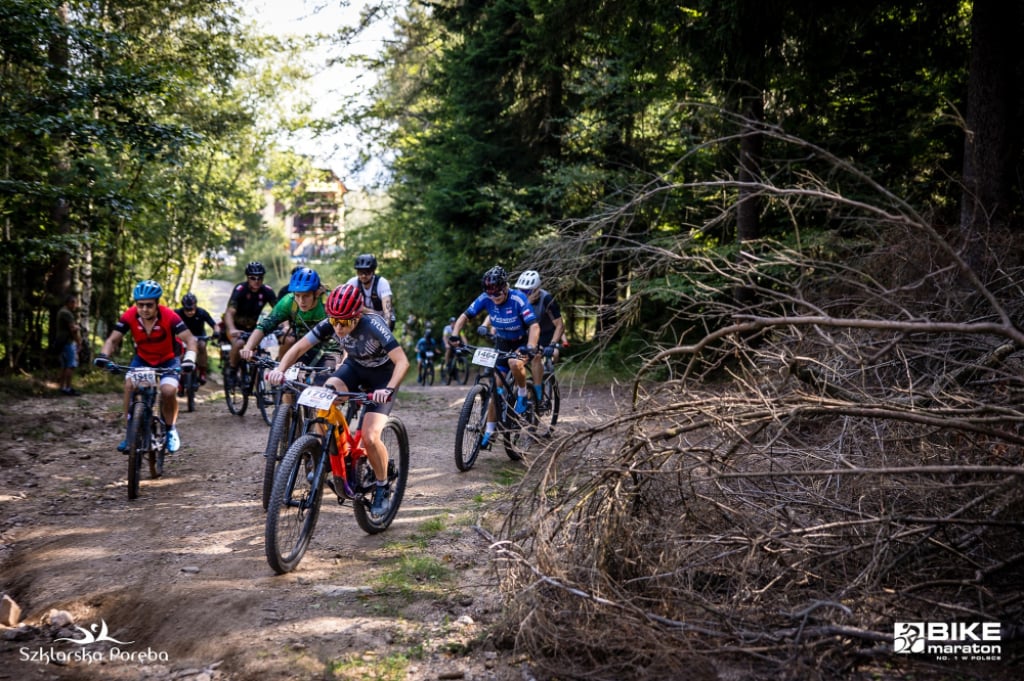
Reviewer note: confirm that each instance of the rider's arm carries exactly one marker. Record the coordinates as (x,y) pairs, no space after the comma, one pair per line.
(459,323)
(253,342)
(397,355)
(191,344)
(534,335)
(294,352)
(229,321)
(109,345)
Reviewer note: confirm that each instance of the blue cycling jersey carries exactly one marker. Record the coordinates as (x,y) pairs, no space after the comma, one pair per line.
(511,319)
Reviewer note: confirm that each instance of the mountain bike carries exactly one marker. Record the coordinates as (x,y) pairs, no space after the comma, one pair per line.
(426,375)
(190,382)
(457,369)
(290,420)
(249,380)
(146,433)
(332,456)
(513,429)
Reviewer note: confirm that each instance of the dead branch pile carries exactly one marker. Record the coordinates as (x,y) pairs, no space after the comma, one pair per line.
(856,462)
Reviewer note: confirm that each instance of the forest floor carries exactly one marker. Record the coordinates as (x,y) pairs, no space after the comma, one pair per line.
(180,577)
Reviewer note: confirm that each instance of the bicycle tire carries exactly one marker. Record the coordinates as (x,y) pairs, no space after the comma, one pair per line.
(135,437)
(462,369)
(191,385)
(547,419)
(157,447)
(429,368)
(514,427)
(237,393)
(396,440)
(277,444)
(470,430)
(294,505)
(264,396)
(449,372)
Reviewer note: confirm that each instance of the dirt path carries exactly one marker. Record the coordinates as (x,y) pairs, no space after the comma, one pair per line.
(181,574)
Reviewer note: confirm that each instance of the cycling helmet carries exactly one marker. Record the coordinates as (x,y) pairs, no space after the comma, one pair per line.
(147,289)
(528,280)
(304,280)
(495,280)
(345,302)
(189,301)
(366,262)
(255,269)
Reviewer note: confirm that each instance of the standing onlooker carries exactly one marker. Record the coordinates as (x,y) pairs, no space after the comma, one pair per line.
(376,290)
(67,339)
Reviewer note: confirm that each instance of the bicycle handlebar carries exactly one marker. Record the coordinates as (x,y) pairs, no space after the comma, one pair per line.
(115,368)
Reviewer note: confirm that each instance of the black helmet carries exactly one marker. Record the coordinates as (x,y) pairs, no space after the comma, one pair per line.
(366,261)
(255,269)
(495,280)
(188,301)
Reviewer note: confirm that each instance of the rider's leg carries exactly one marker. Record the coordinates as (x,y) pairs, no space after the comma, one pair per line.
(169,402)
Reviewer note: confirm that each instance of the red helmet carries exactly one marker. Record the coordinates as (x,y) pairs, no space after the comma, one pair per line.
(345,302)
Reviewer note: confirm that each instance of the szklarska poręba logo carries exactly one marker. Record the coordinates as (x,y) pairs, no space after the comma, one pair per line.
(94,637)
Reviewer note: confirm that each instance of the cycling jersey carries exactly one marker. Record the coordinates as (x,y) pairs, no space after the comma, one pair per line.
(375,293)
(368,344)
(197,322)
(287,310)
(511,320)
(248,304)
(156,346)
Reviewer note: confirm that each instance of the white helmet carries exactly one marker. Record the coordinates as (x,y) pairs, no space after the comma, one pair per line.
(528,280)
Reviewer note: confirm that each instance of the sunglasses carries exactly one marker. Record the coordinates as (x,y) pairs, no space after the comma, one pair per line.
(341,323)
(145,305)
(252,278)
(364,272)
(495,292)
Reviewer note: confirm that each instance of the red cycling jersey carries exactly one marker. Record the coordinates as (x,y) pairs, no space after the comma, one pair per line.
(157,346)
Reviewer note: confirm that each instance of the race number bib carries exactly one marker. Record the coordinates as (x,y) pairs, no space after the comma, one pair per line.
(485,357)
(319,398)
(142,377)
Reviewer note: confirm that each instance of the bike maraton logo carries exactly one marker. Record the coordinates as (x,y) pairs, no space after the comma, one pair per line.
(949,641)
(87,651)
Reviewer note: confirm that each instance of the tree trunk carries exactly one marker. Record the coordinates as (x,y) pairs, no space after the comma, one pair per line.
(992,141)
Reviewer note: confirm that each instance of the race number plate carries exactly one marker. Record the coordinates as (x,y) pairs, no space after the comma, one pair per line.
(292,374)
(319,398)
(225,347)
(485,357)
(142,378)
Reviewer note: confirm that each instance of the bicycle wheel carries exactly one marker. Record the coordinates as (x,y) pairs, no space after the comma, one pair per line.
(157,447)
(462,370)
(136,436)
(472,420)
(237,392)
(191,385)
(264,396)
(280,438)
(396,440)
(294,505)
(449,372)
(514,427)
(429,369)
(547,410)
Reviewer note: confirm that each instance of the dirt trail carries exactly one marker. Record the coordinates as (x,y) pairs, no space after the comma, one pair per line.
(180,573)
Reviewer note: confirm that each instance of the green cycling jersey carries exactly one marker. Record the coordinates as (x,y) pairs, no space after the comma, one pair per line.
(287,310)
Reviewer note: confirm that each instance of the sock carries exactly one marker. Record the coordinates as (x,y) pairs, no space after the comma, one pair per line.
(537,390)
(521,392)
(491,425)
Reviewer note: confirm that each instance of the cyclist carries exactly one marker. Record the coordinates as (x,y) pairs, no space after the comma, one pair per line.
(243,311)
(196,318)
(549,316)
(425,344)
(515,328)
(374,361)
(302,309)
(447,332)
(376,289)
(153,328)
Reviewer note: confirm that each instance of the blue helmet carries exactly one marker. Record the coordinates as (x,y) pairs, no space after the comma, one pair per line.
(303,280)
(147,289)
